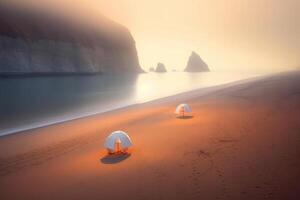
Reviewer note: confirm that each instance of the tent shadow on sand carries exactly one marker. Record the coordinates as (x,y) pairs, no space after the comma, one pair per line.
(185,117)
(114,159)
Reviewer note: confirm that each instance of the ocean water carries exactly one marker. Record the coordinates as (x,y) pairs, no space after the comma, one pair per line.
(31,102)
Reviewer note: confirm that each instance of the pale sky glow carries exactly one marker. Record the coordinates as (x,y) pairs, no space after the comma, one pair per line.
(243,35)
(228,35)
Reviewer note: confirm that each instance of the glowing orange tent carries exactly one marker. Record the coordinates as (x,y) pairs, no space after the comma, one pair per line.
(182,109)
(117,142)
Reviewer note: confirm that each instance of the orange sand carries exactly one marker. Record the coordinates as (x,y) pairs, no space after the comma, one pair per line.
(243,142)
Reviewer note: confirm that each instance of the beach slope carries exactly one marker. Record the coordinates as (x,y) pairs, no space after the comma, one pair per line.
(242,142)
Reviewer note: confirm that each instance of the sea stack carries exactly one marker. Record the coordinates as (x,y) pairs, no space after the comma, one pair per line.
(160,68)
(33,42)
(151,69)
(196,64)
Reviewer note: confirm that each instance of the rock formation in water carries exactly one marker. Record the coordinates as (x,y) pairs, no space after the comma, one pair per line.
(160,68)
(33,42)
(196,64)
(151,69)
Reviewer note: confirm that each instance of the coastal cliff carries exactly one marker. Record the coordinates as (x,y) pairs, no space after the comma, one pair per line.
(33,42)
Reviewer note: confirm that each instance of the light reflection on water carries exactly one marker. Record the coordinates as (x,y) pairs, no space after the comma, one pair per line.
(154,85)
(31,102)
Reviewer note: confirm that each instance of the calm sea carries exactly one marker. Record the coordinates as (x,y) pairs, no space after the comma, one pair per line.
(31,102)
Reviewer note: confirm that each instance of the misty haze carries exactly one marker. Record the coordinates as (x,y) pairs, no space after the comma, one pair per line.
(137,99)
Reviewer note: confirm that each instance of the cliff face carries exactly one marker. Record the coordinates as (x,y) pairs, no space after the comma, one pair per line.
(39,43)
(196,64)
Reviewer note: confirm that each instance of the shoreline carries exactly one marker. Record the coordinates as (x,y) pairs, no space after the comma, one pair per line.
(204,90)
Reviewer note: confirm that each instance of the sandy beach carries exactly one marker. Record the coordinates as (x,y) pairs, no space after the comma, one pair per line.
(242,142)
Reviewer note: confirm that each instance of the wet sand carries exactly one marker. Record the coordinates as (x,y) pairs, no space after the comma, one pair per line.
(242,142)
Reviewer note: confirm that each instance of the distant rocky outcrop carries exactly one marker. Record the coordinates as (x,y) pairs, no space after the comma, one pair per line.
(33,42)
(196,64)
(151,69)
(160,68)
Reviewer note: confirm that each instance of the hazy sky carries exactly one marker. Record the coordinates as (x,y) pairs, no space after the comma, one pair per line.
(228,34)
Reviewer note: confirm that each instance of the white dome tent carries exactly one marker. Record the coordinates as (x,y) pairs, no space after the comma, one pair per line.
(182,109)
(117,142)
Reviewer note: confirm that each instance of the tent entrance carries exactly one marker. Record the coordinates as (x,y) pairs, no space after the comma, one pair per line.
(182,111)
(118,146)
